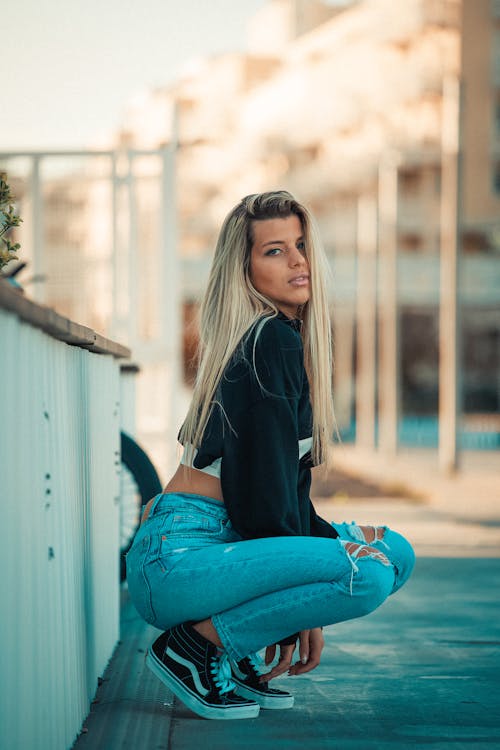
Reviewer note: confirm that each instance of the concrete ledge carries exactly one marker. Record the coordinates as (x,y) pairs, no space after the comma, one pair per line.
(57,326)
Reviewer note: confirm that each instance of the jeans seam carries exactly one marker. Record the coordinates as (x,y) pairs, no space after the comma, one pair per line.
(225,638)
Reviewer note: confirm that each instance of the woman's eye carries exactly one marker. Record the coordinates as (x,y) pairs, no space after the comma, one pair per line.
(273,251)
(302,247)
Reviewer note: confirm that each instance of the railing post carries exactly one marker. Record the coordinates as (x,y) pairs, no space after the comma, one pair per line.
(388,386)
(37,228)
(170,304)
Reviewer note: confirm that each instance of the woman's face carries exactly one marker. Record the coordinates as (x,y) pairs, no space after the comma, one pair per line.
(278,265)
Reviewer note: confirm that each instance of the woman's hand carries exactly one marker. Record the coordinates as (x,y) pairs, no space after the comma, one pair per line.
(311,644)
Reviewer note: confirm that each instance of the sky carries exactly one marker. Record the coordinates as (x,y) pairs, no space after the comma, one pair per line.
(69,67)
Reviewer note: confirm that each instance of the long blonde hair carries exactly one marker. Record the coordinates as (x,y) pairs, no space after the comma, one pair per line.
(231,307)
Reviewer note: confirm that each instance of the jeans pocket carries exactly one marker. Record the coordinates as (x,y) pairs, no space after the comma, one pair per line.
(193,524)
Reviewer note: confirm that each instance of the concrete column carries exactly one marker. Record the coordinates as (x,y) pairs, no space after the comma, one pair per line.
(449,322)
(343,369)
(366,300)
(388,359)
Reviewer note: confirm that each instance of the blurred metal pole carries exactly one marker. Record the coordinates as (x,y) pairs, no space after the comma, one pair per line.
(114,245)
(366,315)
(449,319)
(388,383)
(133,250)
(171,323)
(38,290)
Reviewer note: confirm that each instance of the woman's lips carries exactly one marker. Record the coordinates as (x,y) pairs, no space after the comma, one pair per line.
(302,280)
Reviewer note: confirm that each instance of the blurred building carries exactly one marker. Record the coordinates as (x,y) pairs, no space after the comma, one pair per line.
(349,106)
(324,100)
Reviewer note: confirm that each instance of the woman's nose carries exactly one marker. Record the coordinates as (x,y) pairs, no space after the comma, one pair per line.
(296,258)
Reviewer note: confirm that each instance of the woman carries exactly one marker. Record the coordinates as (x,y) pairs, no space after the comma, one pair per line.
(232,557)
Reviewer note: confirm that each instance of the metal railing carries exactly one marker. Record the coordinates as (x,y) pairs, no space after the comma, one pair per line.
(99,238)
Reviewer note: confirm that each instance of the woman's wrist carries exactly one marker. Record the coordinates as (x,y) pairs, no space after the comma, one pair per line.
(291,640)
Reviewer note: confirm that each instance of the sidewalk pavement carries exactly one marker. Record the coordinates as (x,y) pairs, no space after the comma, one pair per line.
(473,492)
(420,672)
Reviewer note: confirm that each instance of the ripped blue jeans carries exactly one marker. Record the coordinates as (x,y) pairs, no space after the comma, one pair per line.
(187,563)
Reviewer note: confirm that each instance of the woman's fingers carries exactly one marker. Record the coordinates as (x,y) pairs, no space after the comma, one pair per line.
(304,646)
(316,643)
(310,648)
(283,665)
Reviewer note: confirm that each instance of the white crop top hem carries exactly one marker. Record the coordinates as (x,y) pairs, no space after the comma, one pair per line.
(213,469)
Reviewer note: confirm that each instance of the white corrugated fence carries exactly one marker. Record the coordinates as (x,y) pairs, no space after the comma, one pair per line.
(59,529)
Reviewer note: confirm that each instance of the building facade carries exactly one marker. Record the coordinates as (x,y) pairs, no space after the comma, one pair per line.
(384,118)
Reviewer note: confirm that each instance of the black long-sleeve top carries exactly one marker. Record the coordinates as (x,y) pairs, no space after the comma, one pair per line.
(260,427)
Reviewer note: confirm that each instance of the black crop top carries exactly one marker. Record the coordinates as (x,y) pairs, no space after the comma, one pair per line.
(262,434)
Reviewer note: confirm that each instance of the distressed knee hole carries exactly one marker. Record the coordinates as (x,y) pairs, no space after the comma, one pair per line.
(366,533)
(357,551)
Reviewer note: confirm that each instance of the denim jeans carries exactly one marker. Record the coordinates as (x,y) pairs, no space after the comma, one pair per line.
(187,563)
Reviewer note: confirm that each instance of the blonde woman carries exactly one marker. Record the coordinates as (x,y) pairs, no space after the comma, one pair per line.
(231,558)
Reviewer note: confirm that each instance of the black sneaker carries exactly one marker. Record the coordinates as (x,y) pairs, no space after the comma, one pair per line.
(246,675)
(198,673)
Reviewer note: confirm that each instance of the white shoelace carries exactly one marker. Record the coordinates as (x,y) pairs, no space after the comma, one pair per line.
(221,670)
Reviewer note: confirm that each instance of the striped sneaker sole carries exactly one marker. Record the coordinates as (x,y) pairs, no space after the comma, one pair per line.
(194,701)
